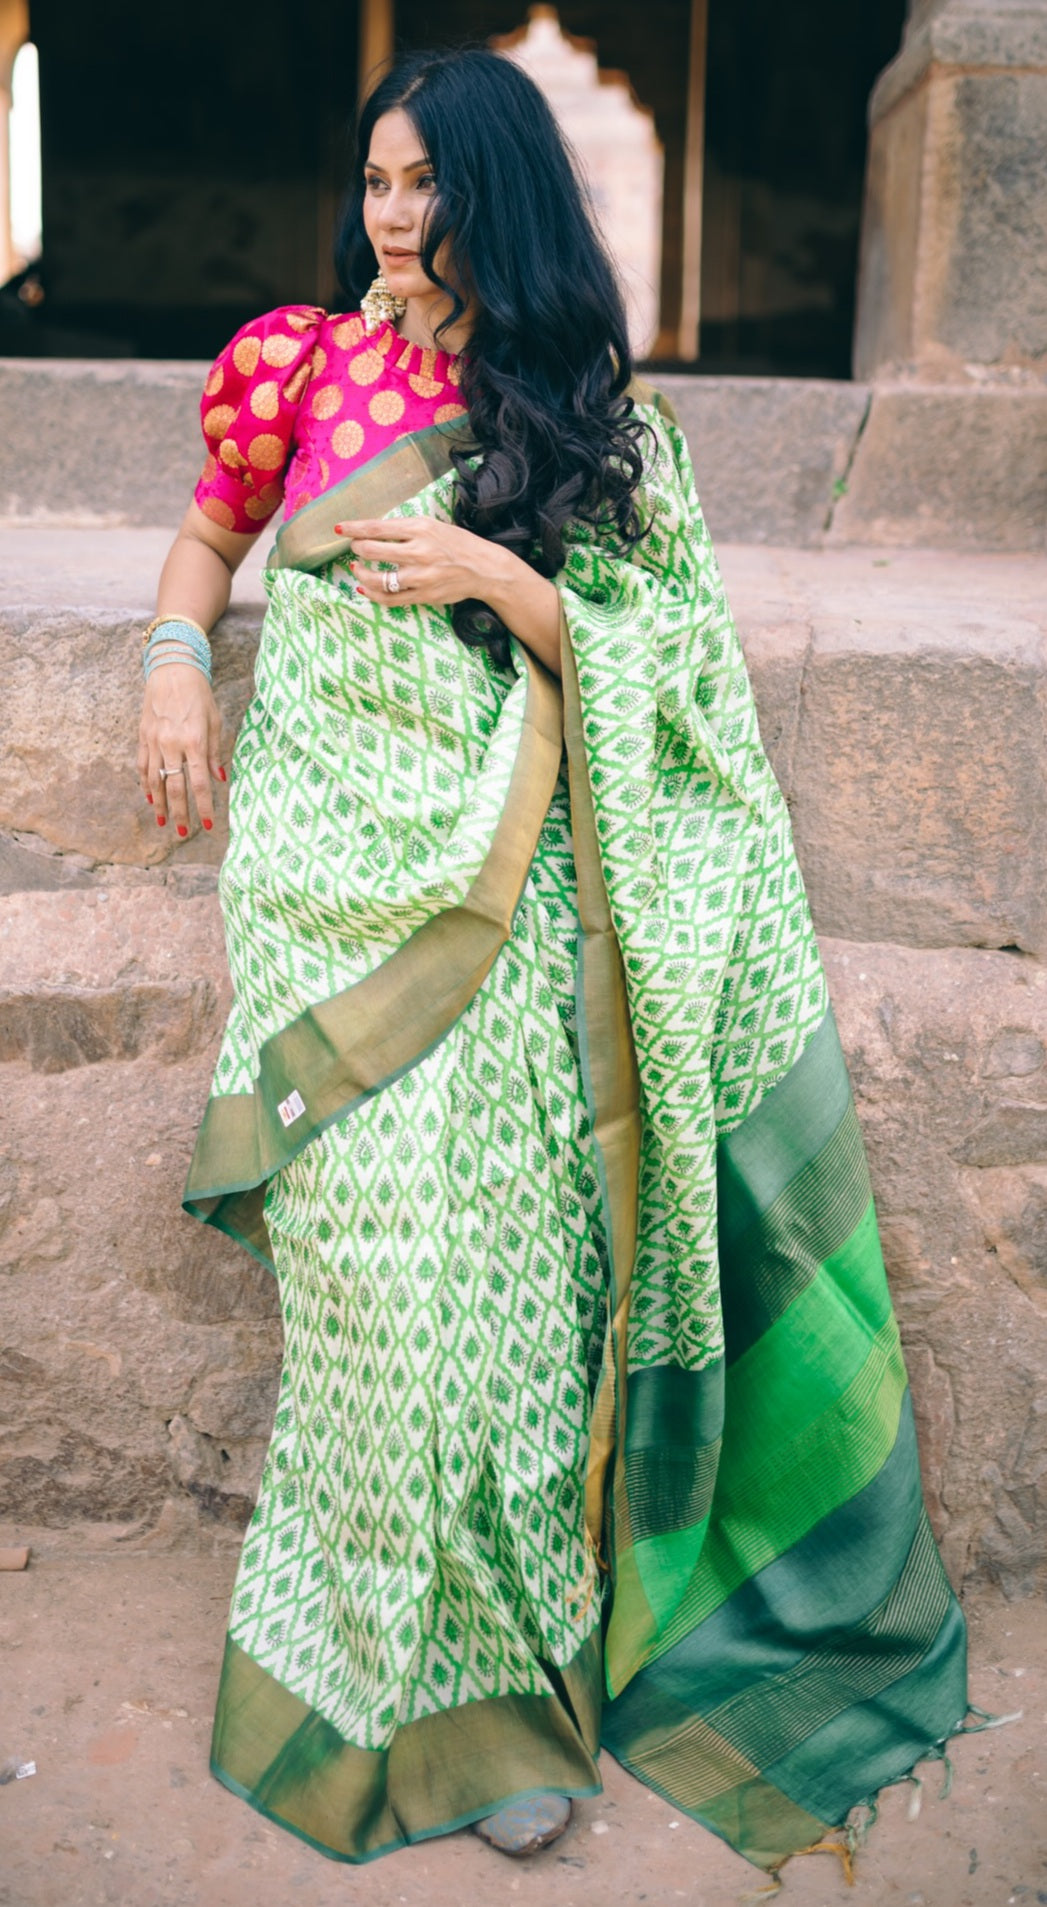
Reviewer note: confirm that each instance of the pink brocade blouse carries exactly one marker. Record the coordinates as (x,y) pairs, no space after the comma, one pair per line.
(298,399)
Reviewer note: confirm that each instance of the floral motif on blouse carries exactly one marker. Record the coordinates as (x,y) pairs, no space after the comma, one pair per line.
(299,398)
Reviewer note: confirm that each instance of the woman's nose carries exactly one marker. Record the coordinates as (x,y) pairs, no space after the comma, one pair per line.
(396,213)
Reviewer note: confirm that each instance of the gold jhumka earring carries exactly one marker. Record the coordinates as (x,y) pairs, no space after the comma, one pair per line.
(381,306)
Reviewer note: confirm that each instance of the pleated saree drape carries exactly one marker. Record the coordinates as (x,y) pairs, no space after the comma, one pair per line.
(593,1422)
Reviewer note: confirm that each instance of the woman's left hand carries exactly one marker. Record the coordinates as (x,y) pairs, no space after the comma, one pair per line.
(429,561)
(425,561)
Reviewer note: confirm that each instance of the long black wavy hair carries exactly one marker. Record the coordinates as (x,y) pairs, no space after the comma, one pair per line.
(547,366)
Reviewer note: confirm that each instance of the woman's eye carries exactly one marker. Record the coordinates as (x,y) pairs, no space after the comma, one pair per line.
(374,185)
(427,182)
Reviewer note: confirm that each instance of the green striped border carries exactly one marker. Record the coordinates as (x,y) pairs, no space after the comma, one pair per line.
(798,1644)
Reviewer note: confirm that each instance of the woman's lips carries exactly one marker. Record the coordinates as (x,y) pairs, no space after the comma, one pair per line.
(395,257)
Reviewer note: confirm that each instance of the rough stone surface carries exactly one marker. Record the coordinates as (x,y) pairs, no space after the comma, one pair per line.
(955,220)
(901,700)
(83,978)
(143,1351)
(958,1151)
(767,452)
(72,700)
(102,940)
(949,467)
(963,33)
(902,705)
(917,787)
(99,443)
(24,865)
(127,1324)
(773,458)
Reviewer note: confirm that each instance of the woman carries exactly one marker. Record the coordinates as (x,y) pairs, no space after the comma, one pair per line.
(531,1095)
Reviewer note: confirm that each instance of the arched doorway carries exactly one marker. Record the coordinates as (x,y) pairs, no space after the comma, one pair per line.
(18,243)
(188,184)
(785,145)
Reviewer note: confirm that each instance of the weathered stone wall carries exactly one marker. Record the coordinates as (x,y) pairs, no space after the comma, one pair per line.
(955,222)
(902,698)
(780,461)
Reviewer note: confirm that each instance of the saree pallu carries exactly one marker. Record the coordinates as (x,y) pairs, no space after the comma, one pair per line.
(593,1423)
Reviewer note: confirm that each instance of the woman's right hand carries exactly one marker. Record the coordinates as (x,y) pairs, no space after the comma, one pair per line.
(180,725)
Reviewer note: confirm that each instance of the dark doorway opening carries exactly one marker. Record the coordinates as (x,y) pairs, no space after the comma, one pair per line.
(192,166)
(192,159)
(787,89)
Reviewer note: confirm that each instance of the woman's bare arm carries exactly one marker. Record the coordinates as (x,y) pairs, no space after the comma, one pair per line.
(197,577)
(180,720)
(527,603)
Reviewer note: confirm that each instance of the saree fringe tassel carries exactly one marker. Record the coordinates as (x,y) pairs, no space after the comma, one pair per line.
(593,1426)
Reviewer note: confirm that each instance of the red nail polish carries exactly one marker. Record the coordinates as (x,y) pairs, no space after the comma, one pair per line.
(222,776)
(208,825)
(161,821)
(183,832)
(149,797)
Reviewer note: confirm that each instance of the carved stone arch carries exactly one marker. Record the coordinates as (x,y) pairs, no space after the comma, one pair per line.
(664,57)
(614,137)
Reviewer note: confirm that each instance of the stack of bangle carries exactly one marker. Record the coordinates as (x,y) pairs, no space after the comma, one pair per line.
(175,639)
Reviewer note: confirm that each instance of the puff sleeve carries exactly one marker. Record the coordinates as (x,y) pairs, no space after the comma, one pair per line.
(248,412)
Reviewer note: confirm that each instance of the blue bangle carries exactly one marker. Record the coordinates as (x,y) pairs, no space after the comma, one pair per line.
(176,641)
(174,629)
(175,655)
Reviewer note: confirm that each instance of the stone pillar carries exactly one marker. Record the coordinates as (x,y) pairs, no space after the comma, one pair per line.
(955,222)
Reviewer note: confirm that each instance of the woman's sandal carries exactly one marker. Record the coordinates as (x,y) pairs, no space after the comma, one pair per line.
(524,1826)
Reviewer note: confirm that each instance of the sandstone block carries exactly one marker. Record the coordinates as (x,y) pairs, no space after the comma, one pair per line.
(23,866)
(121,1315)
(910,745)
(72,703)
(949,467)
(773,459)
(45,566)
(66,421)
(110,974)
(963,1226)
(97,939)
(956,195)
(1001,33)
(767,452)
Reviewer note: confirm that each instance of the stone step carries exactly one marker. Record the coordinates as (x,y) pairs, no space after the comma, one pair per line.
(779,460)
(903,465)
(902,699)
(145,1350)
(110,973)
(902,702)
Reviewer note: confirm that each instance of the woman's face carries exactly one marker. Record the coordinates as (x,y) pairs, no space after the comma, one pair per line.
(398,191)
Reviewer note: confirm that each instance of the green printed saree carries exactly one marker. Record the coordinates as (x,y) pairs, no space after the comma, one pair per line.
(593,1424)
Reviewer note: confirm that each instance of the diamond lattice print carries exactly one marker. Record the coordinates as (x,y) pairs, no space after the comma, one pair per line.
(419,1538)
